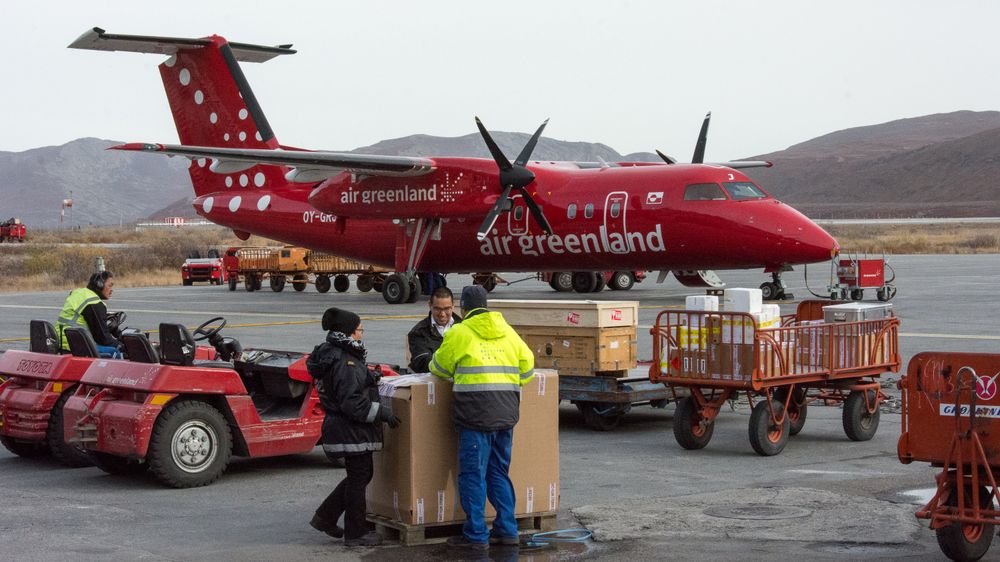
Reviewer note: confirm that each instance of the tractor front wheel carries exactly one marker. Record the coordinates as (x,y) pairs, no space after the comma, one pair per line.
(190,445)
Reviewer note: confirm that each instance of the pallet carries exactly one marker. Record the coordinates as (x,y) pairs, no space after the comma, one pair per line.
(433,533)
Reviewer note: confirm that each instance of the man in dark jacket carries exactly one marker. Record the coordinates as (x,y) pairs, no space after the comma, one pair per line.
(348,392)
(426,336)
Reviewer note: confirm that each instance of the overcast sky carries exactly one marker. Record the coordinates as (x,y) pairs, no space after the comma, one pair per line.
(635,75)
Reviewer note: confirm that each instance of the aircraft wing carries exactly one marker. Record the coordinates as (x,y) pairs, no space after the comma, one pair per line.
(307,166)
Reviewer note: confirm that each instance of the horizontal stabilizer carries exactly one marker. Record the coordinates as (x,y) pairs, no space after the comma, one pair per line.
(739,164)
(97,39)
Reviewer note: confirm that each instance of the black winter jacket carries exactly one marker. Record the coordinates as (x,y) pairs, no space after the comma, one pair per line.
(348,392)
(424,339)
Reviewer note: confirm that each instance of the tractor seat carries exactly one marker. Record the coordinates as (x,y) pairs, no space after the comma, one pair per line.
(138,349)
(177,348)
(43,337)
(81,343)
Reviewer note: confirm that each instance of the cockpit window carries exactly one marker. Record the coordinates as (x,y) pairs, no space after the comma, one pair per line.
(740,190)
(704,192)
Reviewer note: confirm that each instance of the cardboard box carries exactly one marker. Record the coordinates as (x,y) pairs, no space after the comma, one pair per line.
(581,351)
(708,303)
(742,300)
(739,329)
(568,314)
(415,480)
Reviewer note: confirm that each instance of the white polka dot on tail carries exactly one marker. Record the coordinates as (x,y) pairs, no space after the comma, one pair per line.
(263,203)
(229,181)
(234,203)
(243,136)
(258,179)
(199,97)
(213,118)
(185,77)
(244,180)
(243,113)
(206,205)
(225,137)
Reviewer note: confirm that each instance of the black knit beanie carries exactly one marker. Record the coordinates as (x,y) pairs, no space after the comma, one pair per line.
(339,320)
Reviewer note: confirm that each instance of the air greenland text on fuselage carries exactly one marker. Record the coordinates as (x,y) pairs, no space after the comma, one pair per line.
(586,243)
(400,195)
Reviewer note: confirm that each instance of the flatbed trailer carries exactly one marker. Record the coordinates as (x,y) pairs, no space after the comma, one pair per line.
(605,400)
(328,266)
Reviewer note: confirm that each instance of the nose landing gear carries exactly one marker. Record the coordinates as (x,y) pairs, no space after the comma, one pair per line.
(774,290)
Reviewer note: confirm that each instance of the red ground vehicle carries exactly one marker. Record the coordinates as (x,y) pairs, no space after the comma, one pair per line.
(12,230)
(184,419)
(231,263)
(203,269)
(786,367)
(854,274)
(951,419)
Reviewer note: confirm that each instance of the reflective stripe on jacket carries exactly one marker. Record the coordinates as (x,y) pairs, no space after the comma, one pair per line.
(489,363)
(72,312)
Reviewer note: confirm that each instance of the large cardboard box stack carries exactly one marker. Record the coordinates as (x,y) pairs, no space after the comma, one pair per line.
(576,337)
(416,473)
(731,352)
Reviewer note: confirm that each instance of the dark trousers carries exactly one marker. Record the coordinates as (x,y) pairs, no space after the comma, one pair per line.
(348,498)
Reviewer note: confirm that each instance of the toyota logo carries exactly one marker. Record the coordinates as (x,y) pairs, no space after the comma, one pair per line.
(986,387)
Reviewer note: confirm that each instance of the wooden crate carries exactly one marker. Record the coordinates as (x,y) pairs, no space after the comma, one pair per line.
(568,314)
(582,351)
(413,535)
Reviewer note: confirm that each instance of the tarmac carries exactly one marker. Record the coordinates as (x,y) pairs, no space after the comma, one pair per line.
(643,497)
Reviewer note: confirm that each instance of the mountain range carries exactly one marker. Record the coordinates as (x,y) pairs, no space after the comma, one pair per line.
(936,165)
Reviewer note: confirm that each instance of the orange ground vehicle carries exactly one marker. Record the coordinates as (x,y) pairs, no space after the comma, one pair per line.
(718,355)
(951,419)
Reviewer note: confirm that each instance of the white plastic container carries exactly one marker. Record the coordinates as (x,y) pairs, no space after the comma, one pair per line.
(708,303)
(743,300)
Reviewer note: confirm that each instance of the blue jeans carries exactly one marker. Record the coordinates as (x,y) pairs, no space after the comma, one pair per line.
(483,463)
(109,351)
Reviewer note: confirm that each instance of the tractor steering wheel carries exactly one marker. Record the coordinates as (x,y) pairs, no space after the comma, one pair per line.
(203,332)
(115,320)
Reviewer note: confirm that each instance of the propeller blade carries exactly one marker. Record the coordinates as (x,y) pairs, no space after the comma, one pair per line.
(525,155)
(498,154)
(536,212)
(502,204)
(699,148)
(667,159)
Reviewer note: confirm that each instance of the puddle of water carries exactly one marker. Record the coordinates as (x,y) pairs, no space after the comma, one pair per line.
(919,496)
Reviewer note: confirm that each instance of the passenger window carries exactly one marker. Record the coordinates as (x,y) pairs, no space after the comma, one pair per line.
(616,209)
(741,190)
(704,192)
(571,211)
(518,213)
(588,211)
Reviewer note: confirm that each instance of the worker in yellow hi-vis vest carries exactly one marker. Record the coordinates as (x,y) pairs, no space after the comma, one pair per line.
(84,307)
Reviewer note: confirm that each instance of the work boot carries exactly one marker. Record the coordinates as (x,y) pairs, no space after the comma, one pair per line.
(370,539)
(464,543)
(324,526)
(506,541)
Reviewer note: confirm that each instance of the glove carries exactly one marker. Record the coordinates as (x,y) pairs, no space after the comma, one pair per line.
(390,419)
(374,375)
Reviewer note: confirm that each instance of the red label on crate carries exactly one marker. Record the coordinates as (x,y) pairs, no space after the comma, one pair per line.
(986,387)
(573,317)
(616,315)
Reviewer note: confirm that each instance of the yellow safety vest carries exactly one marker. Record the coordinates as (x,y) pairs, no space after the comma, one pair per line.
(72,312)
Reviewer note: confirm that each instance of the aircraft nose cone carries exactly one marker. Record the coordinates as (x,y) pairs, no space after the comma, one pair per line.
(813,244)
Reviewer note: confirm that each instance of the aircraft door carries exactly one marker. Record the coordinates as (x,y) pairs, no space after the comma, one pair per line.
(615,226)
(517,218)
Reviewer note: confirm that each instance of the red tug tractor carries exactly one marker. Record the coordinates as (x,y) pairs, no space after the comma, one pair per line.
(184,419)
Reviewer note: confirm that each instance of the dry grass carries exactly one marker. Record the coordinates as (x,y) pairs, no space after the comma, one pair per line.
(918,239)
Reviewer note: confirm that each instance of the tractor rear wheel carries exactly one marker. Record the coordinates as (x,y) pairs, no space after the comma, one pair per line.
(323,283)
(26,449)
(66,453)
(766,437)
(190,445)
(691,430)
(119,466)
(341,283)
(966,541)
(859,424)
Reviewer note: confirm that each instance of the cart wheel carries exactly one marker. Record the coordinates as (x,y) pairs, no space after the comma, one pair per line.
(300,281)
(691,430)
(857,294)
(26,449)
(119,466)
(341,283)
(364,283)
(322,283)
(277,283)
(765,437)
(233,282)
(336,460)
(190,445)
(598,421)
(249,284)
(69,455)
(966,541)
(562,281)
(859,425)
(797,409)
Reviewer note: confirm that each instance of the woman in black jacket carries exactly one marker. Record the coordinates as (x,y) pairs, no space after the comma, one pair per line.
(348,391)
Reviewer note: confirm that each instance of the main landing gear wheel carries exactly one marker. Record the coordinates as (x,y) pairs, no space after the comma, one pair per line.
(599,285)
(277,283)
(364,283)
(584,281)
(26,449)
(595,417)
(190,445)
(119,466)
(859,423)
(396,289)
(966,541)
(690,429)
(562,281)
(341,283)
(766,437)
(233,282)
(797,408)
(68,454)
(414,290)
(300,281)
(621,281)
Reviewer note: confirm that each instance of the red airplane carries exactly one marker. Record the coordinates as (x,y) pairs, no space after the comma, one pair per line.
(459,214)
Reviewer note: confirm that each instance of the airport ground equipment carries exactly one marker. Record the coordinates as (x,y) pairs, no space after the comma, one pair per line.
(951,419)
(854,274)
(591,281)
(210,270)
(302,266)
(716,356)
(276,265)
(327,266)
(183,419)
(13,230)
(604,400)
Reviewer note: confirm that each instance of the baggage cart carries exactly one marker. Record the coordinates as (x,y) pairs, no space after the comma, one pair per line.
(951,419)
(327,266)
(717,356)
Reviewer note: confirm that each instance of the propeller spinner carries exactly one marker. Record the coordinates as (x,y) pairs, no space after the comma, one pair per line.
(512,177)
